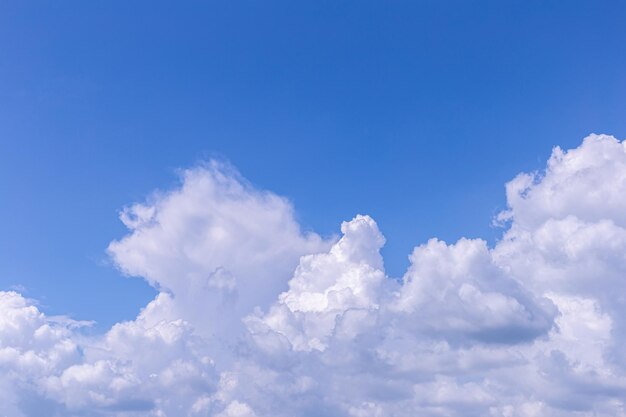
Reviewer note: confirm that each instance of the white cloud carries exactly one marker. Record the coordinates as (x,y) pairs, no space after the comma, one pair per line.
(457,291)
(257,318)
(582,182)
(32,346)
(331,294)
(237,409)
(220,246)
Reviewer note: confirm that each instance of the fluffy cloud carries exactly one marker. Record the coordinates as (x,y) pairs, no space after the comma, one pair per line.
(32,346)
(458,291)
(332,294)
(257,318)
(217,244)
(49,369)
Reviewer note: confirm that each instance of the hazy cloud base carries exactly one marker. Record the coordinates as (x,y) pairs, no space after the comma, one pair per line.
(254,317)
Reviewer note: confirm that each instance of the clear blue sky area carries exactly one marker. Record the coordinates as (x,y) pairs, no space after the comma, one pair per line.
(415,112)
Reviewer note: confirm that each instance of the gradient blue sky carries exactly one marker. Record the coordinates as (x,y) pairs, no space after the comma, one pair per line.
(413,112)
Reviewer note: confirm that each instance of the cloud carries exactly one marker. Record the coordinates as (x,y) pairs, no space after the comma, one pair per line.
(331,294)
(583,182)
(458,292)
(32,346)
(220,246)
(256,317)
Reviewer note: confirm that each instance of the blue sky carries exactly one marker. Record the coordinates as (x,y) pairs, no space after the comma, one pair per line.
(210,183)
(416,113)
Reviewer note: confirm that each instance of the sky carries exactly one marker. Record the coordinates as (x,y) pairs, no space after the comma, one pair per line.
(165,164)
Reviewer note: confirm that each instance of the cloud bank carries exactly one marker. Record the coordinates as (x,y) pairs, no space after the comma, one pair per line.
(257,318)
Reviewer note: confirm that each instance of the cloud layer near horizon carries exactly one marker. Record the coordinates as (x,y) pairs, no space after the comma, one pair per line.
(254,317)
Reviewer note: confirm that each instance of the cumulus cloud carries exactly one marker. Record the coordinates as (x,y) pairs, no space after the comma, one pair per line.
(331,293)
(256,317)
(218,245)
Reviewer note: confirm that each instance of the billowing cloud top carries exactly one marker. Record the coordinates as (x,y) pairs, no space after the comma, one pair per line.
(255,317)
